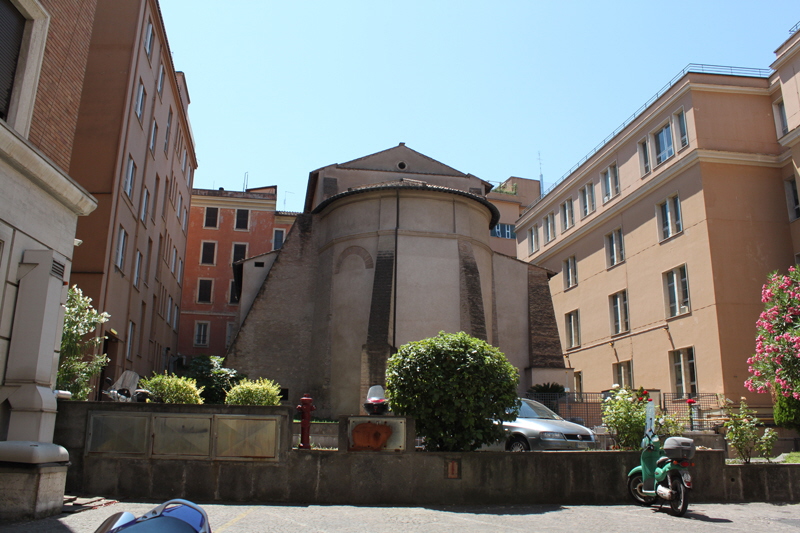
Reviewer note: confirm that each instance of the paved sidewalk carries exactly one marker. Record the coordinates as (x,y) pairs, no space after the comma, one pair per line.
(716,518)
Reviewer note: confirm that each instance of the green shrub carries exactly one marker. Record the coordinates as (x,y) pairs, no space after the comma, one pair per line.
(78,361)
(787,412)
(167,388)
(259,392)
(742,432)
(624,414)
(215,379)
(454,386)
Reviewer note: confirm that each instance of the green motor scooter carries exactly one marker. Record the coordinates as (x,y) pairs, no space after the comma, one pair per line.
(663,474)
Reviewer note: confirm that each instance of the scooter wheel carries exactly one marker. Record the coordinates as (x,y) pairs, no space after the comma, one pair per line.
(680,502)
(635,489)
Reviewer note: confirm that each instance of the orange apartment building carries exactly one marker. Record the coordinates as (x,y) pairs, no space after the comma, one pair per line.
(134,152)
(224,227)
(663,236)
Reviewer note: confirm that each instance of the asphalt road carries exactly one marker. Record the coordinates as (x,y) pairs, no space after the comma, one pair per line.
(748,517)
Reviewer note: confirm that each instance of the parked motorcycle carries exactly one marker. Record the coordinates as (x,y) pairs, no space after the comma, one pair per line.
(173,516)
(663,473)
(120,390)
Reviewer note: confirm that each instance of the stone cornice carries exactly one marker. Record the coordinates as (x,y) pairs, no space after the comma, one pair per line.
(36,167)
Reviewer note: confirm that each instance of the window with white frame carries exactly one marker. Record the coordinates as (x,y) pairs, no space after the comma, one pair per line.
(119,257)
(183,161)
(179,275)
(684,374)
(578,381)
(24,35)
(153,136)
(148,39)
(278,238)
(141,96)
(644,156)
(781,123)
(180,206)
(567,215)
(615,248)
(618,307)
(161,74)
(201,333)
(174,260)
(167,133)
(145,205)
(683,132)
(184,218)
(176,317)
(130,177)
(623,374)
(211,219)
(204,287)
(586,194)
(792,201)
(242,219)
(503,231)
(570,270)
(610,180)
(573,329)
(662,140)
(137,267)
(533,239)
(669,217)
(169,311)
(129,340)
(239,252)
(676,291)
(208,253)
(549,227)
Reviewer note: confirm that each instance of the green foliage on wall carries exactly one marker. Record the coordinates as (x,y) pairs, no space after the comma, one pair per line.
(166,388)
(259,392)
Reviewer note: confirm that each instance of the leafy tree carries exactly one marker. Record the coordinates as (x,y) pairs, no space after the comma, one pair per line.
(166,388)
(78,361)
(259,392)
(215,380)
(775,366)
(454,386)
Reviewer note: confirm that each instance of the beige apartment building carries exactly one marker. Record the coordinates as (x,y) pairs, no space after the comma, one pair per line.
(663,236)
(134,152)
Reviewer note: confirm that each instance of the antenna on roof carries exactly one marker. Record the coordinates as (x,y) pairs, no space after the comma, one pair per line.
(541,176)
(284,198)
(244,188)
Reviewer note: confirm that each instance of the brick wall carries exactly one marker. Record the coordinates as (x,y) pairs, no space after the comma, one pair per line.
(58,97)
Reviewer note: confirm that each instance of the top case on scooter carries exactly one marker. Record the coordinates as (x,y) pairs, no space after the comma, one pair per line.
(679,448)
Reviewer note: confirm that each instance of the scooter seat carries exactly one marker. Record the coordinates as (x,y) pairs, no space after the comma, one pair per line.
(662,461)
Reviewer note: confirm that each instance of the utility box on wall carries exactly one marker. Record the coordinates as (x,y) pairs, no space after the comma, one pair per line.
(376,433)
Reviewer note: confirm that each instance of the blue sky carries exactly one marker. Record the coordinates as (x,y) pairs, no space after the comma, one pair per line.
(279,89)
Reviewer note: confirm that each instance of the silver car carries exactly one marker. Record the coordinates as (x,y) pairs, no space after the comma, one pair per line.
(539,428)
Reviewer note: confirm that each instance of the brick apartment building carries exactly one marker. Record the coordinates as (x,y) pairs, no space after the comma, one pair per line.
(224,227)
(663,237)
(134,152)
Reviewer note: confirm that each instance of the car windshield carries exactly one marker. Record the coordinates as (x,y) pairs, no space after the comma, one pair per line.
(532,409)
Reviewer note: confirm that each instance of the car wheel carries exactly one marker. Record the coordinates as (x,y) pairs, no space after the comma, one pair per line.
(518,444)
(635,489)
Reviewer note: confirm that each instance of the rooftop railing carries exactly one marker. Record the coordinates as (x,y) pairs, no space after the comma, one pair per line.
(691,67)
(794,29)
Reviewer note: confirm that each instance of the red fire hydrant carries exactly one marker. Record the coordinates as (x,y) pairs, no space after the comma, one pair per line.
(305,408)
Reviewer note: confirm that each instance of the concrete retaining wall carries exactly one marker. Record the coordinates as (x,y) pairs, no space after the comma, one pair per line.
(414,478)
